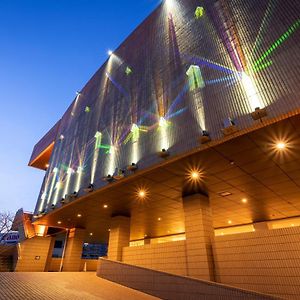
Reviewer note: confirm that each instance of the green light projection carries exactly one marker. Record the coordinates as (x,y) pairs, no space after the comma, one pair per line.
(195,78)
(199,12)
(261,63)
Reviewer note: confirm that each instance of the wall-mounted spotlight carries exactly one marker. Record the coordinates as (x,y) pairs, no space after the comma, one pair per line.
(78,93)
(90,188)
(72,197)
(109,52)
(205,138)
(133,167)
(229,127)
(119,174)
(163,153)
(53,206)
(259,113)
(63,201)
(108,178)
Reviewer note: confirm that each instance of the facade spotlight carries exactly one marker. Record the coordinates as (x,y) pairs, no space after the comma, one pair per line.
(78,93)
(109,52)
(71,197)
(164,153)
(90,188)
(119,174)
(108,178)
(53,206)
(133,167)
(61,137)
(229,127)
(205,138)
(63,201)
(259,113)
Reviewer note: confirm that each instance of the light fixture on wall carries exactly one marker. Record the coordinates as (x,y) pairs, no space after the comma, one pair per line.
(108,178)
(119,174)
(164,153)
(229,127)
(259,113)
(90,188)
(133,167)
(205,138)
(71,197)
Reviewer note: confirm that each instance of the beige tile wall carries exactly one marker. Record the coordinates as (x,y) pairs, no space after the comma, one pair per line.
(167,286)
(167,257)
(118,237)
(33,254)
(267,261)
(72,261)
(91,265)
(199,234)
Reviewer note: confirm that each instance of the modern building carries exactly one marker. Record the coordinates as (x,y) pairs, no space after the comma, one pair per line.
(182,152)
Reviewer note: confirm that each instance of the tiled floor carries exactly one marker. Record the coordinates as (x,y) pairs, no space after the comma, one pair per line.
(63,286)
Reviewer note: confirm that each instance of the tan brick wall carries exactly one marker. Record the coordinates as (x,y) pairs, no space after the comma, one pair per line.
(168,257)
(267,261)
(118,237)
(91,264)
(199,234)
(33,254)
(168,286)
(72,260)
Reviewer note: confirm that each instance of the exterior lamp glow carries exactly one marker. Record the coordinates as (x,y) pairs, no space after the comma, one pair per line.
(142,194)
(195,175)
(109,52)
(280,146)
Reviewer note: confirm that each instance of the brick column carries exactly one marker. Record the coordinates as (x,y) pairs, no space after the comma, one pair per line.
(199,237)
(118,237)
(73,252)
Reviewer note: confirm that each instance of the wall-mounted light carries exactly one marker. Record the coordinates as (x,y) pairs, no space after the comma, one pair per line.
(90,188)
(119,174)
(110,52)
(259,113)
(133,167)
(205,138)
(108,178)
(229,126)
(164,153)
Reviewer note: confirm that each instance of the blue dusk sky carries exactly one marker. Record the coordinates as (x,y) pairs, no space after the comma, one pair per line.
(48,50)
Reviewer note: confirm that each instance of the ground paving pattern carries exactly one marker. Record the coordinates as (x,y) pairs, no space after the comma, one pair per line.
(63,286)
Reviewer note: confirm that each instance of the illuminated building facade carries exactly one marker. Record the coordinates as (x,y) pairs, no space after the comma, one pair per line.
(191,123)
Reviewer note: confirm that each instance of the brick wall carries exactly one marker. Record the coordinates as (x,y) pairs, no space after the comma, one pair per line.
(167,286)
(167,257)
(33,254)
(91,265)
(266,261)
